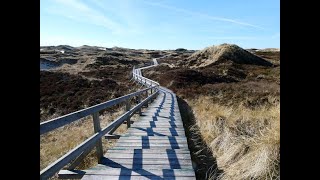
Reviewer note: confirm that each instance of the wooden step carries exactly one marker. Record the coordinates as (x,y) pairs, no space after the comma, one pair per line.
(145,177)
(148,156)
(145,163)
(158,141)
(114,173)
(154,137)
(148,151)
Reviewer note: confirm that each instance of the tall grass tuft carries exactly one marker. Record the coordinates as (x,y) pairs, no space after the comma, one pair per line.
(245,141)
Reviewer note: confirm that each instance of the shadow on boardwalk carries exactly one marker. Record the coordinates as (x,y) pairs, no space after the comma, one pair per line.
(202,158)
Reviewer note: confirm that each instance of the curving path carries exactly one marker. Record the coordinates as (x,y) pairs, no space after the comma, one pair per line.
(154,147)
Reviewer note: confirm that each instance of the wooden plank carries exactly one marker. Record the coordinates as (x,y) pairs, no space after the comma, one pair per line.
(149,166)
(160,130)
(163,108)
(97,129)
(146,143)
(158,133)
(160,121)
(171,138)
(162,114)
(178,140)
(116,172)
(154,137)
(103,177)
(152,123)
(154,147)
(158,141)
(153,144)
(145,146)
(155,123)
(156,129)
(128,106)
(139,100)
(79,159)
(155,134)
(146,156)
(149,151)
(116,163)
(149,117)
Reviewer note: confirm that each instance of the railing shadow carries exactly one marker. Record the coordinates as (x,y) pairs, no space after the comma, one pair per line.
(137,164)
(136,167)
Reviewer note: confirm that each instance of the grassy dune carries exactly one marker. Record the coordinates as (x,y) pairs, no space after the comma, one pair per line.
(245,141)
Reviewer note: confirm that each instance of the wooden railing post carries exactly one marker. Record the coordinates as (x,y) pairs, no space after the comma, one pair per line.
(139,100)
(147,96)
(128,109)
(97,128)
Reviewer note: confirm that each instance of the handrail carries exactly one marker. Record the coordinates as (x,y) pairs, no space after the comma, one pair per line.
(75,152)
(50,125)
(137,74)
(95,139)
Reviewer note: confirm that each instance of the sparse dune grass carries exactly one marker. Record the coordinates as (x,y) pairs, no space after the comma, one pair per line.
(245,141)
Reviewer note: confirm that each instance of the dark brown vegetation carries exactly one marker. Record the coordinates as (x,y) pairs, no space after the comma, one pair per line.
(85,76)
(63,93)
(234,82)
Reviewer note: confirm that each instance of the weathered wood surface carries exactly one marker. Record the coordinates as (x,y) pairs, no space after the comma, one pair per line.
(154,147)
(88,143)
(116,173)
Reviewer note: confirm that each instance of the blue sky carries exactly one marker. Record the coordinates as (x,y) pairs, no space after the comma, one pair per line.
(160,24)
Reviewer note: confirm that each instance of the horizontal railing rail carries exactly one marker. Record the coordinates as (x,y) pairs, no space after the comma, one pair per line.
(68,118)
(91,141)
(95,140)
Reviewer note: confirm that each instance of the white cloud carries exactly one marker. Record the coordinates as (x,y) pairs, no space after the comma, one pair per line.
(81,12)
(127,11)
(202,15)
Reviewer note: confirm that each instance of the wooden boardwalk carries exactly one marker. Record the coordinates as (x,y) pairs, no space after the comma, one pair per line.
(154,147)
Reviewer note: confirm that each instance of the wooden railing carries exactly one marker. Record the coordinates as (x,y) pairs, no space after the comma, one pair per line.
(76,155)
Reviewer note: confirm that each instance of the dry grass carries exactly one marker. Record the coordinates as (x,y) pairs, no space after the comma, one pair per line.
(245,142)
(56,143)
